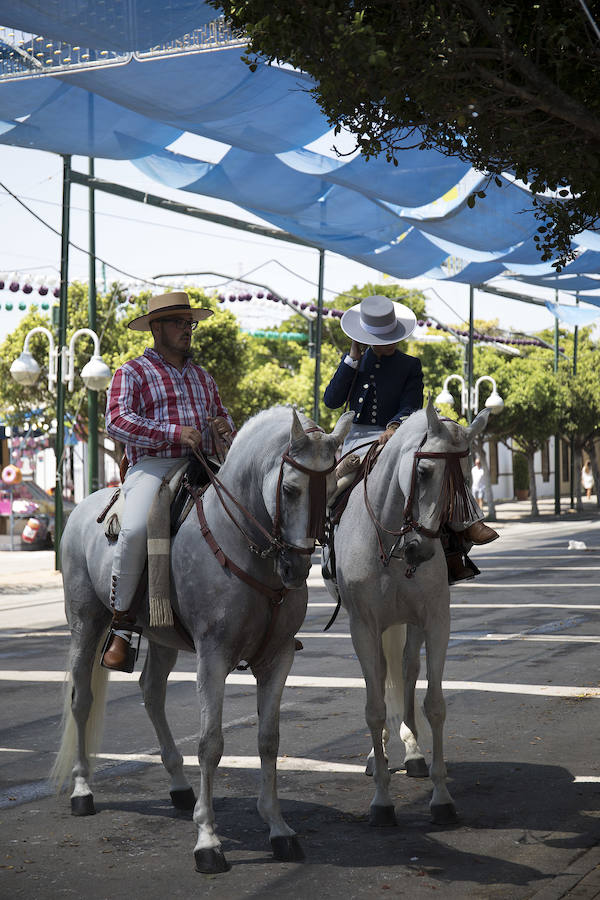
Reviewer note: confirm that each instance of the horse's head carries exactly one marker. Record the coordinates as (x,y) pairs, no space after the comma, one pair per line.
(295,494)
(431,476)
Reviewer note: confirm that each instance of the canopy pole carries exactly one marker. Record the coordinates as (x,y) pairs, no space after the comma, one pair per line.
(92,322)
(62,340)
(318,339)
(575,338)
(556,436)
(470,355)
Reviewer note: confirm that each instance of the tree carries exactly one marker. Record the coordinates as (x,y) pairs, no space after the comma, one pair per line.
(509,86)
(579,405)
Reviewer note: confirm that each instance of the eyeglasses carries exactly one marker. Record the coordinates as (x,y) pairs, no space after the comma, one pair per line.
(181,324)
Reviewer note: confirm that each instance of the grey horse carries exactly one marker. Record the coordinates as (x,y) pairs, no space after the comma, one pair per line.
(396,604)
(227,618)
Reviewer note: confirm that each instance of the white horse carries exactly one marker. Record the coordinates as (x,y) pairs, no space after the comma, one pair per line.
(397,602)
(280,474)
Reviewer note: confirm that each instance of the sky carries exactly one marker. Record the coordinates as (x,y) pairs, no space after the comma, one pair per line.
(145,242)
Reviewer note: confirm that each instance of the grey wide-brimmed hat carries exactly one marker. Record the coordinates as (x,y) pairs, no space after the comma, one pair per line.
(162,306)
(378,320)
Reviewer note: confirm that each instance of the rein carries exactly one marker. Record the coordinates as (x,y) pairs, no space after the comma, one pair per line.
(454,499)
(316,529)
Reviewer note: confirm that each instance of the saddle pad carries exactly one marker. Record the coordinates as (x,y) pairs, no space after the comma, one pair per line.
(114,514)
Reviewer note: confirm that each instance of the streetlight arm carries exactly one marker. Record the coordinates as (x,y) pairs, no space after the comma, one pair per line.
(52,359)
(69,378)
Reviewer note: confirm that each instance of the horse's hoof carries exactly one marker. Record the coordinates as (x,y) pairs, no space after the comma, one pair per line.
(444,814)
(287,849)
(211,861)
(382,816)
(83,806)
(417,768)
(184,798)
(370,767)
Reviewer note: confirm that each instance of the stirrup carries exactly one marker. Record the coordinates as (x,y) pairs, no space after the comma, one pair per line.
(133,650)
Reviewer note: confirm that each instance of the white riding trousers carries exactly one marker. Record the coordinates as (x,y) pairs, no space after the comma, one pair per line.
(139,490)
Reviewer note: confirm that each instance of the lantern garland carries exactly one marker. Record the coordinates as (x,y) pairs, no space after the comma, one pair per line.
(245,296)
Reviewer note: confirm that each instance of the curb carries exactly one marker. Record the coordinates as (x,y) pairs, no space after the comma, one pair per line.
(581,879)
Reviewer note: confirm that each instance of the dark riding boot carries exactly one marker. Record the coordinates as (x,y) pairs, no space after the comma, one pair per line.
(118,653)
(460,567)
(479,533)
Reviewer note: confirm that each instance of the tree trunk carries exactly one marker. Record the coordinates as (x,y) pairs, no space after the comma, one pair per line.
(532,486)
(489,494)
(577,475)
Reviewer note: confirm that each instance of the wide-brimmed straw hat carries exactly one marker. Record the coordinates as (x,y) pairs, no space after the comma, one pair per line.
(378,320)
(164,305)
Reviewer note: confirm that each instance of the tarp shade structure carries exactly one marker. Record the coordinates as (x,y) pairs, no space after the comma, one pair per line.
(404,220)
(572,315)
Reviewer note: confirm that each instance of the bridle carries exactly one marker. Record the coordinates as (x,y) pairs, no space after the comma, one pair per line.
(454,500)
(275,541)
(317,494)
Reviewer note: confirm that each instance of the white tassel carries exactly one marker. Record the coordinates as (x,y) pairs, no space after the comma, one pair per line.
(161,614)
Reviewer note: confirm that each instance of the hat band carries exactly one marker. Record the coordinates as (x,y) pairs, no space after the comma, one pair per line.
(378,329)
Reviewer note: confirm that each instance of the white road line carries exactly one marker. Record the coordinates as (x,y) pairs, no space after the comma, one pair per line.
(513,587)
(309,681)
(516,636)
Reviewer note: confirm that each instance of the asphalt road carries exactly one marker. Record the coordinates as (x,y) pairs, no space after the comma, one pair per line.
(522,747)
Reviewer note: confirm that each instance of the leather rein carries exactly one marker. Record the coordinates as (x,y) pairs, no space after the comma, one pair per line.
(455,483)
(275,541)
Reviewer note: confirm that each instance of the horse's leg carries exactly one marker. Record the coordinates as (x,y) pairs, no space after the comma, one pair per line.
(212,672)
(370,767)
(153,682)
(414,760)
(85,707)
(369,650)
(270,684)
(442,806)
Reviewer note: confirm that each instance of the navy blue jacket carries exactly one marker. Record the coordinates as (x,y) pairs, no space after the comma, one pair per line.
(386,388)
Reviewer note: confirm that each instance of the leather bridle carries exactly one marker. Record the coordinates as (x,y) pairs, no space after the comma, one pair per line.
(276,544)
(452,497)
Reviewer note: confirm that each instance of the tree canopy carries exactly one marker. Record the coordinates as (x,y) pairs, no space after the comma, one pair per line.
(509,86)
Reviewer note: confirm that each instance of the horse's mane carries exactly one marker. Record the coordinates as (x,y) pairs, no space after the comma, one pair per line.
(265,436)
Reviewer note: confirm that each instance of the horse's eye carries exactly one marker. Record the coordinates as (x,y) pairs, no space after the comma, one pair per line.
(291,491)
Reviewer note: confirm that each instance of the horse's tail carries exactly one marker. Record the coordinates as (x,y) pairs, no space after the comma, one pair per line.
(61,770)
(393,640)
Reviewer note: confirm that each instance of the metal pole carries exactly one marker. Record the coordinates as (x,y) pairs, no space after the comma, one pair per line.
(62,340)
(318,338)
(92,395)
(556,436)
(572,473)
(470,355)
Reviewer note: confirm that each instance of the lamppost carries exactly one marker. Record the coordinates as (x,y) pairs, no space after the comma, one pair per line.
(61,371)
(469,400)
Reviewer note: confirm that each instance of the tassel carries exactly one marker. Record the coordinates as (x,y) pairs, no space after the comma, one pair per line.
(161,614)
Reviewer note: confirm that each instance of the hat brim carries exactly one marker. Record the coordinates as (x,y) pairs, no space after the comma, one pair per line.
(406,322)
(142,323)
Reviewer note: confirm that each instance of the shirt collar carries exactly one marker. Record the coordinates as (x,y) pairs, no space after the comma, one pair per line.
(151,354)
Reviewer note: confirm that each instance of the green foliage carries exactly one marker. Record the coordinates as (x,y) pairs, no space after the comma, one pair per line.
(510,85)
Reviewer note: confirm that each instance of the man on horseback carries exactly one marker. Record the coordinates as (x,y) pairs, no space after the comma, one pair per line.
(384,386)
(161,406)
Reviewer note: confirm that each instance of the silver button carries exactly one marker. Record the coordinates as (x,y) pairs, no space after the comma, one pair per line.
(377,365)
(365,385)
(374,421)
(360,399)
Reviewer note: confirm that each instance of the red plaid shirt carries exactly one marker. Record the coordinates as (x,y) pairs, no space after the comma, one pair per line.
(149,400)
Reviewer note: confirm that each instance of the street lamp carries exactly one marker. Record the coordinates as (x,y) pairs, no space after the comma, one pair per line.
(96,376)
(494,402)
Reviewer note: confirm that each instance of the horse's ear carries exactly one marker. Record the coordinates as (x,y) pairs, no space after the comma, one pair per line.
(342,427)
(478,425)
(433,423)
(298,437)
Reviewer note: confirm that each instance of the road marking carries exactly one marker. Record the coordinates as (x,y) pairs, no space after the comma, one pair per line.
(516,636)
(308,681)
(284,763)
(514,587)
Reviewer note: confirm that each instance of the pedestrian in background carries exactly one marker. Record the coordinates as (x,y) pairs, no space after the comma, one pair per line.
(587,479)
